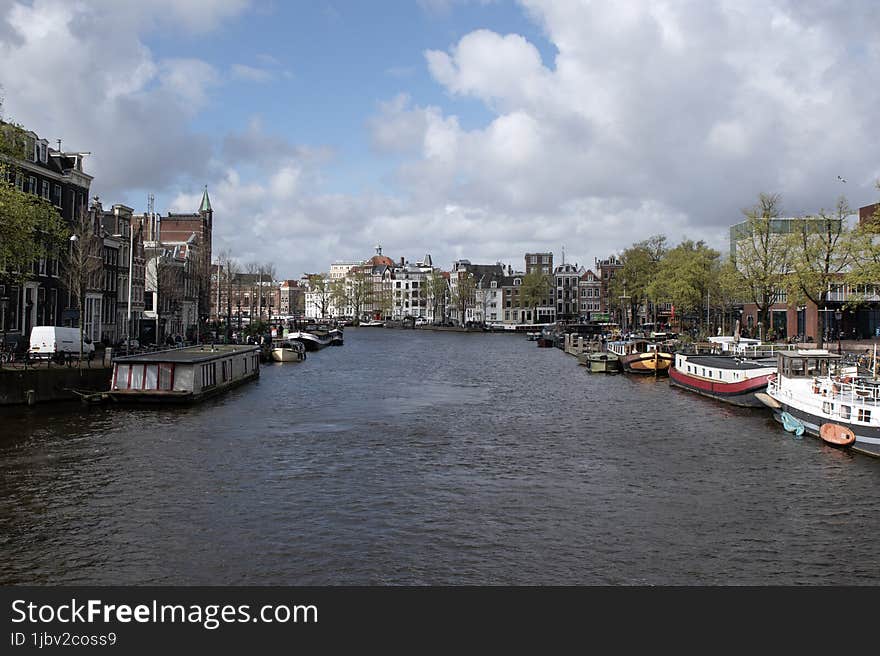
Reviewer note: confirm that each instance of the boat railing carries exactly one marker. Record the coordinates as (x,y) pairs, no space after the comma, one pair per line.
(853,391)
(847,390)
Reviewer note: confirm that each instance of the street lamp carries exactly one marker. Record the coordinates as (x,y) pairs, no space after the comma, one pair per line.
(624,309)
(838,316)
(4,303)
(79,295)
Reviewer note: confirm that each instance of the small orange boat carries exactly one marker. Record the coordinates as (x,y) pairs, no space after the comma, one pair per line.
(836,435)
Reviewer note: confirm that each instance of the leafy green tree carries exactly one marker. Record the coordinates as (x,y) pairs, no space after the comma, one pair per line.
(632,282)
(30,227)
(534,291)
(821,253)
(685,275)
(762,255)
(864,273)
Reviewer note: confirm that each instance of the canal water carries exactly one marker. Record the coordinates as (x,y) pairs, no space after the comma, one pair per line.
(417,457)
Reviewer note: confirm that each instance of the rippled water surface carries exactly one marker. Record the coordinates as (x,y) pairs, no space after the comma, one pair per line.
(414,457)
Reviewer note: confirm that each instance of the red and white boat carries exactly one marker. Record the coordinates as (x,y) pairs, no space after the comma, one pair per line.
(727,378)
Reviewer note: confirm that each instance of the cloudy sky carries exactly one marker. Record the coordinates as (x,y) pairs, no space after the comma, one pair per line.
(466,129)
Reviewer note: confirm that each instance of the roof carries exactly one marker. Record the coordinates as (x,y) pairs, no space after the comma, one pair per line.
(380,260)
(809,353)
(190,354)
(206,202)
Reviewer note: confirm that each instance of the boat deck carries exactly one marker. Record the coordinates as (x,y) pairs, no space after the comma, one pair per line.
(733,364)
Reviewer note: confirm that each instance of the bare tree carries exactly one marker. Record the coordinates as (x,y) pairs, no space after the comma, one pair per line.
(229,269)
(84,264)
(267,275)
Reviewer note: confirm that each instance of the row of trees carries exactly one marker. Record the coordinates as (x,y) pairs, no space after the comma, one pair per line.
(803,258)
(230,280)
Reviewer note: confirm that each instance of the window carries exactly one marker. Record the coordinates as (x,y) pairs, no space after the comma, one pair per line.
(209,374)
(864,415)
(534,259)
(53,306)
(545,259)
(45,190)
(166,376)
(43,153)
(32,185)
(845,412)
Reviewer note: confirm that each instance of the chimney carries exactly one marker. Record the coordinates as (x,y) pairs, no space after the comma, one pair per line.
(401,261)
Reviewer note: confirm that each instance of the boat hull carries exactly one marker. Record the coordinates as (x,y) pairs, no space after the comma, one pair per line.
(311,341)
(287,355)
(656,363)
(741,393)
(151,397)
(602,363)
(867,438)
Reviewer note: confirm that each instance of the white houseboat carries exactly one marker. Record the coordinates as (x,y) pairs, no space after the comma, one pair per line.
(723,377)
(814,392)
(183,375)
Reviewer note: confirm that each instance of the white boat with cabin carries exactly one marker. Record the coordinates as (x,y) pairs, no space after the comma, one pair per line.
(830,400)
(285,350)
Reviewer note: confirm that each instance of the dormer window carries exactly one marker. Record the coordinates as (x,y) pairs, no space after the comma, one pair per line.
(494,284)
(517,281)
(44,153)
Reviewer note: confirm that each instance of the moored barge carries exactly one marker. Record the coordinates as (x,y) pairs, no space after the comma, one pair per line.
(725,378)
(184,375)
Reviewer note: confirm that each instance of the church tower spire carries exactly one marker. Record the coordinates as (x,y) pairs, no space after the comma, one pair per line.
(206,202)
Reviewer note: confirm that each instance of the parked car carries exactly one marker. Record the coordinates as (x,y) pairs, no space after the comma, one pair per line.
(421,321)
(52,341)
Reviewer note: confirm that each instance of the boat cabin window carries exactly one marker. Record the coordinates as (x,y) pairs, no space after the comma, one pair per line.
(794,368)
(864,415)
(845,411)
(817,366)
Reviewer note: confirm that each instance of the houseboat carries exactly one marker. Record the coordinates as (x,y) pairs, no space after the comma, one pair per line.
(183,375)
(641,356)
(813,389)
(726,378)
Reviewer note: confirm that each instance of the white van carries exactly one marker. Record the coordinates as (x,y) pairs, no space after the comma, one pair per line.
(48,341)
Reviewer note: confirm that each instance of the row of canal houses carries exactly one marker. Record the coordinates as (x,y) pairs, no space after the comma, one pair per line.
(147,274)
(405,290)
